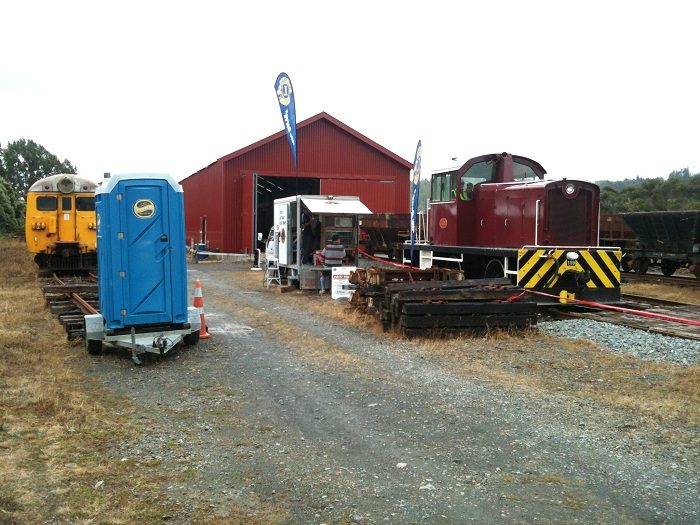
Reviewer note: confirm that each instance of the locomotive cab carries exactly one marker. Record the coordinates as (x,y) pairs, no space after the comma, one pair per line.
(463,206)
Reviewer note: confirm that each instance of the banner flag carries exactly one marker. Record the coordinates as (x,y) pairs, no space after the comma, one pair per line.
(285,96)
(415,187)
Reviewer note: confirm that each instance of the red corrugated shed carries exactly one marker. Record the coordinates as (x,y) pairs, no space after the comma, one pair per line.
(333,159)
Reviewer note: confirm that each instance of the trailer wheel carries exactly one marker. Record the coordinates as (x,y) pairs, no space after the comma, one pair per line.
(191,339)
(668,267)
(93,346)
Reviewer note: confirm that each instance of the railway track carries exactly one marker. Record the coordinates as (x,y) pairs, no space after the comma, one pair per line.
(649,324)
(673,280)
(70,297)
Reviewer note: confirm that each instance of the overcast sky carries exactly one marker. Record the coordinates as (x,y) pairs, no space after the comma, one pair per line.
(591,90)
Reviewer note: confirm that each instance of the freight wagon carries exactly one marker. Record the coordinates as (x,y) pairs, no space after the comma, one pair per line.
(669,239)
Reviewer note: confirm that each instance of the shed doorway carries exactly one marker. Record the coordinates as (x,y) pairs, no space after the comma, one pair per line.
(268,188)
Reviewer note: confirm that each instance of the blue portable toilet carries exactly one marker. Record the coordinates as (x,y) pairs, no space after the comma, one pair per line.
(142,271)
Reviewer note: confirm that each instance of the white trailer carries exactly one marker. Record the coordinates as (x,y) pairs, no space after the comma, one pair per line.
(330,214)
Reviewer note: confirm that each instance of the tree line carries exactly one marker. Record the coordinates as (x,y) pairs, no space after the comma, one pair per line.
(22,163)
(679,191)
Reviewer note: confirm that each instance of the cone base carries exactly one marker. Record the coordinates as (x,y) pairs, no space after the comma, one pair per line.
(203,334)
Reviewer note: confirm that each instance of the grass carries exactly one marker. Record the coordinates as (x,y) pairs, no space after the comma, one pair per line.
(315,350)
(58,428)
(662,393)
(663,291)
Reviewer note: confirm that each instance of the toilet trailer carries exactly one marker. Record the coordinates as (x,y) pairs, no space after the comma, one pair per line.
(142,272)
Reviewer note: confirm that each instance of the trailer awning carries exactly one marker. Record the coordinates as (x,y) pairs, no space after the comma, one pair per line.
(336,206)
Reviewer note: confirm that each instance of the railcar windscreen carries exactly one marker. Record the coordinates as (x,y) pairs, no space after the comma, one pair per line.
(46,203)
(85,203)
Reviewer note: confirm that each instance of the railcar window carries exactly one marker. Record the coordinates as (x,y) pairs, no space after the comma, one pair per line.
(85,203)
(521,172)
(66,204)
(46,203)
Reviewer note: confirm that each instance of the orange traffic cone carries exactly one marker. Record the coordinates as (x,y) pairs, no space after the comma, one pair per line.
(199,304)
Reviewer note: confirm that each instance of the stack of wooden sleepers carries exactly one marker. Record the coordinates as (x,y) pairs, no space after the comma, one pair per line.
(423,302)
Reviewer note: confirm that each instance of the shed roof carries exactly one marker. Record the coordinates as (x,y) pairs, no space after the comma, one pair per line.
(321,116)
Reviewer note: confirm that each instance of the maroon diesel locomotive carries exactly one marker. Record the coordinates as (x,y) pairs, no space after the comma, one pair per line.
(496,215)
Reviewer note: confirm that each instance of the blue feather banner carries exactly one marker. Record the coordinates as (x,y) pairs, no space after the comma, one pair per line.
(285,97)
(415,187)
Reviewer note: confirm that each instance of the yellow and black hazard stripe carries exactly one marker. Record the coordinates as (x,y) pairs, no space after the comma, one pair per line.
(542,268)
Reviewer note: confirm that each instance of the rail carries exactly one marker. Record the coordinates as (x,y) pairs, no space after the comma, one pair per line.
(643,313)
(70,298)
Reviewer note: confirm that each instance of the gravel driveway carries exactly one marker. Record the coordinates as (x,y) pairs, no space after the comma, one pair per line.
(304,419)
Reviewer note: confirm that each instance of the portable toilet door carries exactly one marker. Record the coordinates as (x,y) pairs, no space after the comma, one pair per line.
(145,253)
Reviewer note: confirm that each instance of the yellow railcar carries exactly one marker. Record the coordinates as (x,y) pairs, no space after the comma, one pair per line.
(60,225)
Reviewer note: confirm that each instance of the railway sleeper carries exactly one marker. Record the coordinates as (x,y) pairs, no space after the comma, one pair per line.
(468,321)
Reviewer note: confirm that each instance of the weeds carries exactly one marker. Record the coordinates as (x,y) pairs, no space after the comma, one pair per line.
(58,429)
(529,360)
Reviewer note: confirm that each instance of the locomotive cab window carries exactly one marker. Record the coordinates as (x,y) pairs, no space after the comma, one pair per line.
(479,172)
(521,172)
(66,204)
(46,203)
(442,187)
(85,203)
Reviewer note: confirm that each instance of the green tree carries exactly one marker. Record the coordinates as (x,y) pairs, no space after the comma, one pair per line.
(680,191)
(23,162)
(11,209)
(2,165)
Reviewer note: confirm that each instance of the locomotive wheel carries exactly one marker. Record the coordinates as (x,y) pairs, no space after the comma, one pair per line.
(641,265)
(668,267)
(494,269)
(626,264)
(93,346)
(191,339)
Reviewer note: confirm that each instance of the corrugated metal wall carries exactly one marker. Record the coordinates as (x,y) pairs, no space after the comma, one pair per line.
(378,196)
(204,198)
(345,164)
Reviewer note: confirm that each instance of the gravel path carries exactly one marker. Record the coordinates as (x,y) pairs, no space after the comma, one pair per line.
(373,430)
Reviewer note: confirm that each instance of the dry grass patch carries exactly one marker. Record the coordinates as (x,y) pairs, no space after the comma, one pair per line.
(309,346)
(58,429)
(55,427)
(534,361)
(665,292)
(578,368)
